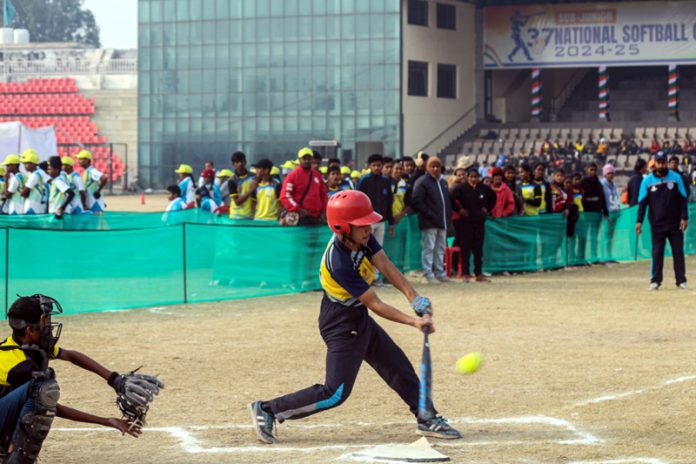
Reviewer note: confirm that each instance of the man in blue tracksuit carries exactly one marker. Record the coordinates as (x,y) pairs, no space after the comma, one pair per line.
(664,192)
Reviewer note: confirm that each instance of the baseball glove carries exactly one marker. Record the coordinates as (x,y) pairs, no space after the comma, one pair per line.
(134,393)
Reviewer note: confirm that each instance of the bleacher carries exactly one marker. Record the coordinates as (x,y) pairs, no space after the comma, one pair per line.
(488,142)
(57,102)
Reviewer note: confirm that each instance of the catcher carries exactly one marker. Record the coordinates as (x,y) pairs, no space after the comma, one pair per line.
(29,391)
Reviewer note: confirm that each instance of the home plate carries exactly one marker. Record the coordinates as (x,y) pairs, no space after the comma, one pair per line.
(418,451)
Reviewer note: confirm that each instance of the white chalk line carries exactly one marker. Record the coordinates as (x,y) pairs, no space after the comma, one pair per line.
(624,461)
(630,393)
(191,444)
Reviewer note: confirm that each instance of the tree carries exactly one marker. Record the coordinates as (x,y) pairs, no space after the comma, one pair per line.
(57,21)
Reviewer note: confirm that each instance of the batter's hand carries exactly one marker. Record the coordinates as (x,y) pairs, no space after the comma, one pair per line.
(421,323)
(639,228)
(683,224)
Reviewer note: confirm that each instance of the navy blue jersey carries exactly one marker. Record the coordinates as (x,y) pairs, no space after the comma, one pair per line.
(666,196)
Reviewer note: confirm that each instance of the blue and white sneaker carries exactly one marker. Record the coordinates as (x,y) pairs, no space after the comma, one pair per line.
(437,427)
(264,423)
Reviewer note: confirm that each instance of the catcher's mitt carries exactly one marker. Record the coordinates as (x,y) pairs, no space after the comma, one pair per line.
(134,392)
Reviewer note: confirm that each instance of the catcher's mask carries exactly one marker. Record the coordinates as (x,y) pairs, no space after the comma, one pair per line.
(38,320)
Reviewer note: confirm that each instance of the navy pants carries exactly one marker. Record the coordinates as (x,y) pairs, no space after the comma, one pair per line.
(351,337)
(13,406)
(676,241)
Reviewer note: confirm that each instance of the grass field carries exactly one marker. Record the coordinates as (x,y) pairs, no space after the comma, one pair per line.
(582,366)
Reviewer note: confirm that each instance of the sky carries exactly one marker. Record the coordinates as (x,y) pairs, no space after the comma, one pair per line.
(117,21)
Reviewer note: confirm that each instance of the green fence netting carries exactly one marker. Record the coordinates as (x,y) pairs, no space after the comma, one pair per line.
(129,260)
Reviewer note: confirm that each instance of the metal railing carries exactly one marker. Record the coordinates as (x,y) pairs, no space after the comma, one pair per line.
(115,66)
(454,130)
(564,94)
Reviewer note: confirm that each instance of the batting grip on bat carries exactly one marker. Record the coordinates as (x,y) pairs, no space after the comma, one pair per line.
(422,305)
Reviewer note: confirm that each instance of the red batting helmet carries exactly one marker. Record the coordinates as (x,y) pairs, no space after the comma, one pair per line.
(350,207)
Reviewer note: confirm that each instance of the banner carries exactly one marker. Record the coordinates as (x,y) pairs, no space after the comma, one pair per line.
(590,34)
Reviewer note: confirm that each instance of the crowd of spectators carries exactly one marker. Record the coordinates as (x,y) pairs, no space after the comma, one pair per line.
(457,204)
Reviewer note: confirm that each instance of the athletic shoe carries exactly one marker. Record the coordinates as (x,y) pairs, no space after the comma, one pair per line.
(466,278)
(682,286)
(264,423)
(482,278)
(444,279)
(430,281)
(437,427)
(654,286)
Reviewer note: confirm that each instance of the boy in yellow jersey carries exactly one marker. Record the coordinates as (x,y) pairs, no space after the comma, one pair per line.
(351,335)
(241,186)
(333,181)
(267,192)
(399,187)
(530,192)
(346,181)
(29,392)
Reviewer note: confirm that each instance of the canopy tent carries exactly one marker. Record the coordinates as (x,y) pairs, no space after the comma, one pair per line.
(15,137)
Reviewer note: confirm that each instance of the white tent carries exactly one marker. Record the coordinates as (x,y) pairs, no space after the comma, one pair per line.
(15,137)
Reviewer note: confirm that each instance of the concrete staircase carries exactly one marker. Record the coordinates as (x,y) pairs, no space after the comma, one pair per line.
(116,116)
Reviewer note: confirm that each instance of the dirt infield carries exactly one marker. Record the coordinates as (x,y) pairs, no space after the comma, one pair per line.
(583,366)
(132,203)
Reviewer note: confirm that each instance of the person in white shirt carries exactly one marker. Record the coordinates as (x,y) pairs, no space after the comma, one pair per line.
(60,194)
(94,182)
(13,202)
(209,165)
(79,201)
(176,203)
(35,191)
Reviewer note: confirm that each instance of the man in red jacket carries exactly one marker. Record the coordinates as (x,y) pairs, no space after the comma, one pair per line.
(304,191)
(504,199)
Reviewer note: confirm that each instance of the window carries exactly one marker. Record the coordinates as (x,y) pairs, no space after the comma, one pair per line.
(418,12)
(418,78)
(446,17)
(446,81)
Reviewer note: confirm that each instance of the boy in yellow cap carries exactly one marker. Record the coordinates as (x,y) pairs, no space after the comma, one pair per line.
(78,204)
(13,202)
(35,191)
(94,181)
(187,185)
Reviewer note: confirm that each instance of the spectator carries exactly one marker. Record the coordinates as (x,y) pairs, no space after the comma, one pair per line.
(187,185)
(35,190)
(346,182)
(431,201)
(664,194)
(378,189)
(576,191)
(483,170)
(267,192)
(474,202)
(304,191)
(487,181)
(241,186)
(398,187)
(654,146)
(13,200)
(333,181)
(387,166)
(593,192)
(223,178)
(458,177)
(334,162)
(689,148)
(636,179)
(510,180)
(316,161)
(611,193)
(674,166)
(208,187)
(79,202)
(579,148)
(559,193)
(504,198)
(60,194)
(176,203)
(208,165)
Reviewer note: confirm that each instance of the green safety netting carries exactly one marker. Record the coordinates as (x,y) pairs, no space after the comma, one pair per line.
(129,260)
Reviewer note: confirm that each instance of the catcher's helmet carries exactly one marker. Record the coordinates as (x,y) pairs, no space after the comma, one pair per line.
(350,207)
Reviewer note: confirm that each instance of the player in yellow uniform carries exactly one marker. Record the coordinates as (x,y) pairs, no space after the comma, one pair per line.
(241,186)
(29,392)
(267,192)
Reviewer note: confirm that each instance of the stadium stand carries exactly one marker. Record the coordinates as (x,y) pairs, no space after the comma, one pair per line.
(57,102)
